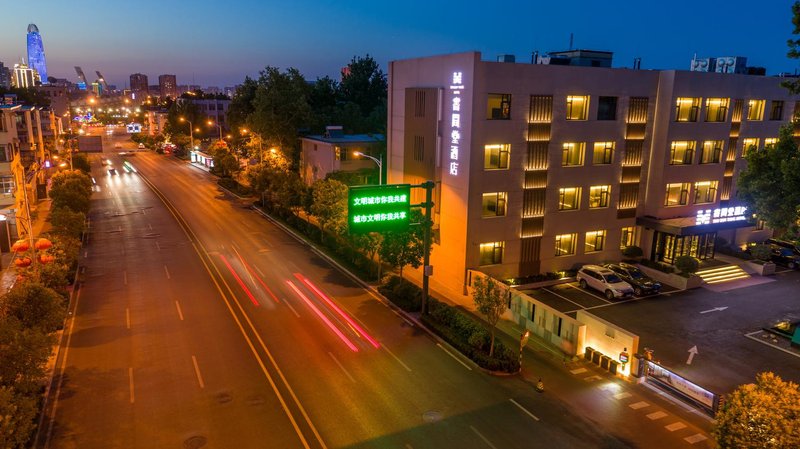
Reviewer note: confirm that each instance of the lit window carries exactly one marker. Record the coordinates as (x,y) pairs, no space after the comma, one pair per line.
(749,144)
(677,194)
(705,192)
(776,113)
(687,109)
(760,224)
(572,154)
(6,185)
(577,107)
(681,152)
(494,204)
(499,107)
(603,153)
(716,109)
(711,152)
(565,244)
(770,141)
(628,237)
(595,241)
(569,198)
(755,110)
(496,156)
(598,196)
(491,253)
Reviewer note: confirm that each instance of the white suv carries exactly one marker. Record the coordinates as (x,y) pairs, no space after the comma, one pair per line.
(604,280)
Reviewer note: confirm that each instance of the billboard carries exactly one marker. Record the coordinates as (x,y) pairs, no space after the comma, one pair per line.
(133,128)
(378,208)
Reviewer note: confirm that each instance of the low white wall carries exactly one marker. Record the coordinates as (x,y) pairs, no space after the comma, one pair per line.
(608,339)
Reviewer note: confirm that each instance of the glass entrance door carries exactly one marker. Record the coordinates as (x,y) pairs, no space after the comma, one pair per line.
(669,246)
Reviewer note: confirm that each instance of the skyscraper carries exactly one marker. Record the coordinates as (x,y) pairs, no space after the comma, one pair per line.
(5,76)
(139,83)
(36,52)
(24,76)
(168,86)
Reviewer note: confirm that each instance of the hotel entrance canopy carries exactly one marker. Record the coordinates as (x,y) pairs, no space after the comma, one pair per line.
(706,220)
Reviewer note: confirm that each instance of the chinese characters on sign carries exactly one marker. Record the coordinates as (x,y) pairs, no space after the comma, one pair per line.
(721,215)
(378,208)
(456,87)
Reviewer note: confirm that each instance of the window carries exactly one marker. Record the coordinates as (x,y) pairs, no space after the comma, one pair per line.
(716,109)
(637,110)
(760,224)
(677,194)
(565,244)
(496,156)
(494,204)
(770,141)
(776,113)
(711,152)
(628,237)
(755,110)
(681,152)
(686,109)
(577,107)
(749,144)
(705,192)
(607,108)
(6,185)
(499,107)
(603,153)
(569,198)
(595,241)
(598,196)
(572,155)
(5,155)
(492,253)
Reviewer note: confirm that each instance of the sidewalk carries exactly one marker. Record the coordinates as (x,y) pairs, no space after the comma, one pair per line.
(40,225)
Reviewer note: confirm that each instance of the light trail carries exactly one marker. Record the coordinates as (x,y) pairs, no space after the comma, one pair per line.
(322,316)
(254,274)
(239,280)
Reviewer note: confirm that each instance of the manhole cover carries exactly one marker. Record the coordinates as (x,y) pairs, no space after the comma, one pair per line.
(255,400)
(224,397)
(195,442)
(431,416)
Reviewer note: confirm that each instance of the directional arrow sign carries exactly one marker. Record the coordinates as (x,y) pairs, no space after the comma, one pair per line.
(692,353)
(715,309)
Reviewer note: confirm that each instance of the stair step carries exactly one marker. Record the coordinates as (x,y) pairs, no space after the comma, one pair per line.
(721,274)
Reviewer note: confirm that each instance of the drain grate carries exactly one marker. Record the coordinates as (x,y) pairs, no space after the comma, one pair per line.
(195,442)
(432,416)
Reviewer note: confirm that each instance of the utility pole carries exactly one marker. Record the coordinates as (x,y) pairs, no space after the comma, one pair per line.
(427,269)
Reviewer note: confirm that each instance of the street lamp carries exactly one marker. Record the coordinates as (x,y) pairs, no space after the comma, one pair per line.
(378,161)
(260,152)
(210,123)
(191,133)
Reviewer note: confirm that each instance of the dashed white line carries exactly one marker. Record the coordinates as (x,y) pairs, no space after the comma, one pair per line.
(592,378)
(579,371)
(260,273)
(166,270)
(675,426)
(454,357)
(524,409)
(638,405)
(342,367)
(128,318)
(622,395)
(656,415)
(180,313)
(130,383)
(197,373)
(125,277)
(696,438)
(396,358)
(150,226)
(158,247)
(291,308)
(485,440)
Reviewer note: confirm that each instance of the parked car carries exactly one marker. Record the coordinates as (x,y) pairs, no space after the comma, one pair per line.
(641,283)
(784,257)
(783,244)
(605,281)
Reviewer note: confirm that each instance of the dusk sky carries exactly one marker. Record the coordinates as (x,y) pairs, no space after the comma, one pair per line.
(220,42)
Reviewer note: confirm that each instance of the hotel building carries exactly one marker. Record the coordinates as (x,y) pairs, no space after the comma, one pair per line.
(542,168)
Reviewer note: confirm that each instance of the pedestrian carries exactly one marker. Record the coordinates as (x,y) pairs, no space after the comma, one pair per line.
(540,386)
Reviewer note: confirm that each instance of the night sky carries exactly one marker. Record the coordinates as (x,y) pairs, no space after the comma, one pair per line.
(219,43)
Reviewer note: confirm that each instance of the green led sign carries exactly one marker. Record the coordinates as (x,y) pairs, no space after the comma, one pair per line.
(378,208)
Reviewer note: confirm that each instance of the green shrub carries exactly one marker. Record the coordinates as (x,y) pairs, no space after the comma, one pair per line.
(403,294)
(632,251)
(761,252)
(686,264)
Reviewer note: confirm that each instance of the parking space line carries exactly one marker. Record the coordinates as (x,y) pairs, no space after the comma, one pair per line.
(601,298)
(638,405)
(524,409)
(751,337)
(485,440)
(696,438)
(675,426)
(656,415)
(564,298)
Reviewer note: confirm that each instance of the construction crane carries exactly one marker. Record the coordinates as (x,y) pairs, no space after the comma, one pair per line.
(101,80)
(81,76)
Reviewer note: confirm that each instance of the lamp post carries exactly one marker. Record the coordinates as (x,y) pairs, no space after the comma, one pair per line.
(378,160)
(191,132)
(210,123)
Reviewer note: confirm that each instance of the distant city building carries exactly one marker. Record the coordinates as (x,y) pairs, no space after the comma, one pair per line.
(24,76)
(213,90)
(581,58)
(231,90)
(168,86)
(58,95)
(216,109)
(36,52)
(139,84)
(5,76)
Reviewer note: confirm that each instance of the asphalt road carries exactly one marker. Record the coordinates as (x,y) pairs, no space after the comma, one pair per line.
(201,324)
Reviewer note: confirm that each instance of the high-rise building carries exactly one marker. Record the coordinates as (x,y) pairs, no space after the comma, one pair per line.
(36,52)
(168,86)
(139,83)
(24,76)
(5,76)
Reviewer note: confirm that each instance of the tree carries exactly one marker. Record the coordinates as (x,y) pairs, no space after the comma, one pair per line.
(24,352)
(71,189)
(764,415)
(364,84)
(34,306)
(65,221)
(490,303)
(794,49)
(81,162)
(770,184)
(242,104)
(323,100)
(329,205)
(369,244)
(17,418)
(401,248)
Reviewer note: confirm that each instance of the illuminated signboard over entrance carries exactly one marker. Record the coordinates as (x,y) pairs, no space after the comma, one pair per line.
(378,208)
(456,87)
(721,215)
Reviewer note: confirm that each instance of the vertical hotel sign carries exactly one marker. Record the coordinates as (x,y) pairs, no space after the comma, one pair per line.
(456,89)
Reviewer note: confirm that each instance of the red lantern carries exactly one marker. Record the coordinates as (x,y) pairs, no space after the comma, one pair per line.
(43,244)
(23,262)
(46,258)
(20,246)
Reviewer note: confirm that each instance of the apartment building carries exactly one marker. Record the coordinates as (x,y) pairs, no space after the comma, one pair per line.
(542,168)
(335,151)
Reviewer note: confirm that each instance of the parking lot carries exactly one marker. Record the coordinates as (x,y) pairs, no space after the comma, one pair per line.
(724,322)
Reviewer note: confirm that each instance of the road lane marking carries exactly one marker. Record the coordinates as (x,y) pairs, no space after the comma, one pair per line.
(166,270)
(158,247)
(592,378)
(128,317)
(622,395)
(197,373)
(751,337)
(286,301)
(675,426)
(180,313)
(578,371)
(696,438)
(150,226)
(656,415)
(638,405)
(485,440)
(397,358)
(260,273)
(323,317)
(130,383)
(342,367)
(524,409)
(454,357)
